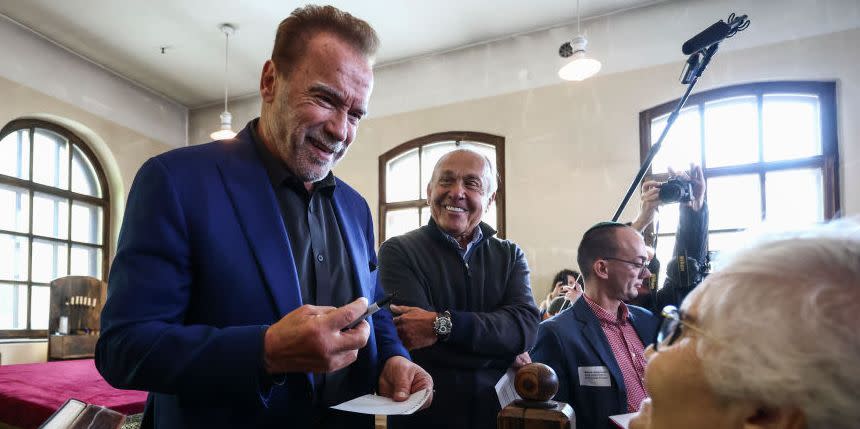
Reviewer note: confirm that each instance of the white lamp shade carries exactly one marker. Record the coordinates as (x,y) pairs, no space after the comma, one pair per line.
(226,131)
(223,135)
(579,68)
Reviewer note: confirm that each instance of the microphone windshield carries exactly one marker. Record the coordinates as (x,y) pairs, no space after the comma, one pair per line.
(708,37)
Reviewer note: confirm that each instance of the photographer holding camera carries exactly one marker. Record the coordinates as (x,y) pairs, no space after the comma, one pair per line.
(687,267)
(567,284)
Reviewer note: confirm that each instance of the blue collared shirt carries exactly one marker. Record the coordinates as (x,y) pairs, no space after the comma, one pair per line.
(470,246)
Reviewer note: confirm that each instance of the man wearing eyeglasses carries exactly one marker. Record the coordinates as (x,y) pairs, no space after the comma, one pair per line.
(597,347)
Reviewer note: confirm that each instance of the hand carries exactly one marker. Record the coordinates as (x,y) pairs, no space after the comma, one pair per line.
(415,326)
(697,180)
(572,293)
(400,378)
(308,339)
(556,291)
(642,420)
(650,205)
(521,360)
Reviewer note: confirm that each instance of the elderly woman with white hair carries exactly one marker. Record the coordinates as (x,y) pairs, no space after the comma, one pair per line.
(772,340)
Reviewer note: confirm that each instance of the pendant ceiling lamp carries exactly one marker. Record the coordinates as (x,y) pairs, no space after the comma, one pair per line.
(226,130)
(580,66)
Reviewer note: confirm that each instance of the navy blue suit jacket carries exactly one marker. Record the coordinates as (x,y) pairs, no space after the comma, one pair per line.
(203,266)
(574,339)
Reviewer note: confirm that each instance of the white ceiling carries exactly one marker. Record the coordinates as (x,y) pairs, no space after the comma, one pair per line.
(126,36)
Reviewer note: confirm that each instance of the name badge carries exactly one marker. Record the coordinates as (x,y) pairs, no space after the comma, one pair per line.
(597,376)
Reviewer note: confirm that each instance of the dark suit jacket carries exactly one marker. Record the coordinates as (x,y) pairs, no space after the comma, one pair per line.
(202,268)
(574,339)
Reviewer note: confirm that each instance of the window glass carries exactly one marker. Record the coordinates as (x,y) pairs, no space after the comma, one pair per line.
(86,261)
(402,178)
(14,254)
(665,245)
(490,217)
(52,220)
(40,304)
(682,145)
(400,221)
(84,178)
(430,155)
(405,210)
(669,217)
(15,154)
(765,159)
(50,216)
(14,208)
(50,260)
(731,132)
(722,244)
(13,306)
(86,223)
(784,190)
(790,127)
(50,159)
(734,201)
(425,215)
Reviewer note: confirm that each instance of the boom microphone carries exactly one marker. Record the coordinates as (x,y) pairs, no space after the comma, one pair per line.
(714,34)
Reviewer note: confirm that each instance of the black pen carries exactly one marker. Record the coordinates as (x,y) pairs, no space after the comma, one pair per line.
(371,309)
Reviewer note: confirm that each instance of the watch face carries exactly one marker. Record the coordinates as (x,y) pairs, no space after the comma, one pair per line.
(442,326)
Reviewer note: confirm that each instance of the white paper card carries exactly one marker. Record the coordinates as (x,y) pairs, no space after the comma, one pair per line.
(380,405)
(622,420)
(505,389)
(597,376)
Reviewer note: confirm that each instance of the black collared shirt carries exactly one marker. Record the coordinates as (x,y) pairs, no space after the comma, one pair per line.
(322,261)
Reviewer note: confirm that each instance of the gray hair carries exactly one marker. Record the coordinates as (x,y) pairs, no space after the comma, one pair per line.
(489,170)
(787,314)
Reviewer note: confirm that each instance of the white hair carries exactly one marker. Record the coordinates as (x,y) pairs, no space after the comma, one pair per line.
(786,318)
(489,173)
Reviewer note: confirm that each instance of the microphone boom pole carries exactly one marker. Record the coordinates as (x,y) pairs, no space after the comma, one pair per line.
(696,64)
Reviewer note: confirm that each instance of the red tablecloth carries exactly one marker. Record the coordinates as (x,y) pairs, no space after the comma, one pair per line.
(30,393)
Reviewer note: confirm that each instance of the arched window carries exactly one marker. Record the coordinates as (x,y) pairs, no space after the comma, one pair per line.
(768,152)
(54,211)
(404,173)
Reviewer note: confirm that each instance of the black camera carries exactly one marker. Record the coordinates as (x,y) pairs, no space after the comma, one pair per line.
(676,190)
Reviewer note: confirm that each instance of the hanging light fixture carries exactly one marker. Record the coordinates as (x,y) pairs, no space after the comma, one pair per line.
(226,130)
(580,67)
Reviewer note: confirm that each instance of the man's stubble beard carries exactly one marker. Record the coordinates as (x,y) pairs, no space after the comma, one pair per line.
(287,146)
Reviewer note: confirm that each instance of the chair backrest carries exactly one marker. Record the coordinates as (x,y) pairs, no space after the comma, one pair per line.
(81,298)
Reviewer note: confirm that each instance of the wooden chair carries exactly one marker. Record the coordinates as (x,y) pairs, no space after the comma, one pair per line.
(80,298)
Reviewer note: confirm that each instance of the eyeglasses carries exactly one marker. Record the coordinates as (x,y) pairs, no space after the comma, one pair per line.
(642,266)
(670,328)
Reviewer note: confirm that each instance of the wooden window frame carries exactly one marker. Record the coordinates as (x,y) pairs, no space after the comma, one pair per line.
(828,161)
(456,136)
(33,187)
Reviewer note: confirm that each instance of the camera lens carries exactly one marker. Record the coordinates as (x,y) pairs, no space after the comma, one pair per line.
(670,193)
(675,190)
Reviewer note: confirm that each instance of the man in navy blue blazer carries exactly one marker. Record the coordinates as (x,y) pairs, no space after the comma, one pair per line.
(597,346)
(241,262)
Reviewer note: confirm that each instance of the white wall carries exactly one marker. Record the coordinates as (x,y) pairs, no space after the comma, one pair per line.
(630,40)
(625,41)
(34,62)
(572,148)
(122,123)
(12,353)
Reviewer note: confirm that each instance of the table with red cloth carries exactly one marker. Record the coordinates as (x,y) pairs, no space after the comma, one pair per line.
(30,393)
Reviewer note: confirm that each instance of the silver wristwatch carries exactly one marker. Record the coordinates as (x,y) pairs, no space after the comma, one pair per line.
(442,325)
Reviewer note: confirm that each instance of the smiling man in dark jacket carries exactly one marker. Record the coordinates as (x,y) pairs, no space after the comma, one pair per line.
(465,306)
